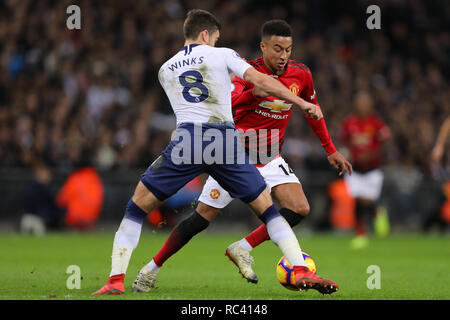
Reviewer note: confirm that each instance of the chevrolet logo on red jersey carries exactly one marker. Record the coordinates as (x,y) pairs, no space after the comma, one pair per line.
(276,105)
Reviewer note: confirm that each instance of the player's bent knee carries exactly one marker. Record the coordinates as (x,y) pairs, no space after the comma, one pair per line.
(262,202)
(145,199)
(206,211)
(302,210)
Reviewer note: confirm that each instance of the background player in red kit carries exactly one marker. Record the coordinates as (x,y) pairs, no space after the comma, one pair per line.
(364,134)
(255,110)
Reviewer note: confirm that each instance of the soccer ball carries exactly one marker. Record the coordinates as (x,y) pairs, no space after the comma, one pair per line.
(285,273)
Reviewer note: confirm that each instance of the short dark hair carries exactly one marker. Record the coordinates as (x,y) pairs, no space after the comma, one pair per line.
(198,20)
(276,28)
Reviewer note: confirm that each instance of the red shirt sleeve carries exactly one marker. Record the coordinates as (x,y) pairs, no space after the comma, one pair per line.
(318,126)
(242,93)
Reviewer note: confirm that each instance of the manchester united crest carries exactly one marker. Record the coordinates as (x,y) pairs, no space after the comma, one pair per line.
(294,88)
(214,194)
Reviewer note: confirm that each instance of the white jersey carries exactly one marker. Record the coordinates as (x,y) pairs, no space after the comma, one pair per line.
(197,82)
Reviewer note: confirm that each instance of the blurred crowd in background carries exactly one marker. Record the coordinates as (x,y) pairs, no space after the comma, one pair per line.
(63,90)
(93,93)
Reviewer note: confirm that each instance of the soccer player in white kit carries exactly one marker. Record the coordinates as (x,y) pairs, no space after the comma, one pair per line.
(197,83)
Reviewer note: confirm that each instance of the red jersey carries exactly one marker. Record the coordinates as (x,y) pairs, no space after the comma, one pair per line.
(364,137)
(271,112)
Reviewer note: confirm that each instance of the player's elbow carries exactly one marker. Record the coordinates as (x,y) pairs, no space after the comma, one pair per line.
(249,75)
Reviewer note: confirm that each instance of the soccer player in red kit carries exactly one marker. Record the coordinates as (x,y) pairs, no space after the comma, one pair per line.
(257,112)
(364,133)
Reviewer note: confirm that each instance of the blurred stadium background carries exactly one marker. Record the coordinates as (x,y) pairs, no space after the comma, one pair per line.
(91,96)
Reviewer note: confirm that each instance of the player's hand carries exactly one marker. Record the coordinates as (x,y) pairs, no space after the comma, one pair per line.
(312,110)
(259,93)
(338,161)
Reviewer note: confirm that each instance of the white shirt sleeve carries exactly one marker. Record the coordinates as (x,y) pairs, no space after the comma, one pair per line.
(235,63)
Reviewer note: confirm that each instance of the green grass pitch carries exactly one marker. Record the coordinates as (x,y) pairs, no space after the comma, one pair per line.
(412,267)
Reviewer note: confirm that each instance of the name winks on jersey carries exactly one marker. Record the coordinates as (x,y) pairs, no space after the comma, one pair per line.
(185,62)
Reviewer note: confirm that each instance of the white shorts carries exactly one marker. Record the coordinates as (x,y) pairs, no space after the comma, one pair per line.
(274,173)
(365,185)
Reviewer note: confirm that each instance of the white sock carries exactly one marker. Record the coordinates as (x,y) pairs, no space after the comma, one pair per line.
(152,266)
(243,244)
(120,258)
(125,241)
(282,235)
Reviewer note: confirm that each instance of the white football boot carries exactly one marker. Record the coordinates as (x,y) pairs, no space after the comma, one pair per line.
(243,260)
(145,280)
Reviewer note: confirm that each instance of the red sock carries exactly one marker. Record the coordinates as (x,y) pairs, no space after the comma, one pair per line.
(258,236)
(360,228)
(173,244)
(180,235)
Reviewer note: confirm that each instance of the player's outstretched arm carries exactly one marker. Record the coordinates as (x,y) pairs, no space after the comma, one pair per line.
(275,88)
